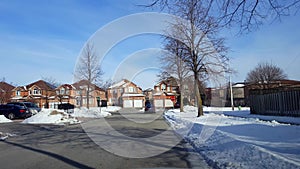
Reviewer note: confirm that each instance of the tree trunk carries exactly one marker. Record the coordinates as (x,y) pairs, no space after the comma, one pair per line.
(181,102)
(198,97)
(88,97)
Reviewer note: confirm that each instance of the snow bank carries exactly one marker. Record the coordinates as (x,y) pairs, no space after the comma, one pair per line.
(51,116)
(235,142)
(3,119)
(90,113)
(245,113)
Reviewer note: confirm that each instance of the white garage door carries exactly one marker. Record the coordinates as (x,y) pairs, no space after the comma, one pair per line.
(138,103)
(127,103)
(163,103)
(168,103)
(158,103)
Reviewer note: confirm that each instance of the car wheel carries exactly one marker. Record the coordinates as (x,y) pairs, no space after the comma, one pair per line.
(11,116)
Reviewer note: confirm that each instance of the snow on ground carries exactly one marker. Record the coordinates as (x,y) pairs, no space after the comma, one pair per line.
(236,142)
(3,119)
(4,136)
(51,116)
(245,112)
(95,112)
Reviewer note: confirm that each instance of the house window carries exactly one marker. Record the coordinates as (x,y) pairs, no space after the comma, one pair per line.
(62,91)
(67,92)
(163,87)
(36,91)
(18,93)
(130,89)
(168,89)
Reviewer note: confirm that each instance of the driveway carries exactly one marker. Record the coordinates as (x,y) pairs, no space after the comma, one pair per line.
(75,146)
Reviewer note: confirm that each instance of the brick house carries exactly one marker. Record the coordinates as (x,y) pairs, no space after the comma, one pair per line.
(165,93)
(126,94)
(79,94)
(5,92)
(39,92)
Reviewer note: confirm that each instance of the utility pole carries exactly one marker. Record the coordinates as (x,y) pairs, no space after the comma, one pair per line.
(231,94)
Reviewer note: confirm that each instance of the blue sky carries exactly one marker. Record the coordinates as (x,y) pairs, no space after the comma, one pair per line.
(44,39)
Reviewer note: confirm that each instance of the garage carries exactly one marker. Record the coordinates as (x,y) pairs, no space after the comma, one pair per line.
(138,103)
(133,100)
(163,103)
(127,103)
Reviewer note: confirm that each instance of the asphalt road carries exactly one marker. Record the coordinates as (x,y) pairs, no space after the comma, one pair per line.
(94,144)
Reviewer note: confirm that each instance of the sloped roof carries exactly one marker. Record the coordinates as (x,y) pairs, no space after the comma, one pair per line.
(80,83)
(42,85)
(5,87)
(169,81)
(68,86)
(121,84)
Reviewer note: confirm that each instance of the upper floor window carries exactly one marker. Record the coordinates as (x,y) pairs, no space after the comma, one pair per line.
(163,87)
(62,91)
(130,89)
(36,91)
(18,93)
(168,89)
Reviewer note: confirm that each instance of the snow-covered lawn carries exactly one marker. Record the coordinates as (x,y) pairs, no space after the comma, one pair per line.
(3,119)
(236,142)
(245,112)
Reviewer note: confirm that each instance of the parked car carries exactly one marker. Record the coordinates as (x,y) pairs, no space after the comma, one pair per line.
(68,107)
(33,108)
(177,105)
(12,111)
(147,105)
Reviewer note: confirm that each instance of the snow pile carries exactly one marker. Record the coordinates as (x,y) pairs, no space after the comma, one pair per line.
(51,116)
(246,114)
(3,119)
(90,113)
(235,142)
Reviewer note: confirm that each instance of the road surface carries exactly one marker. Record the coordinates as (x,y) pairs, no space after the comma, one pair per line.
(50,146)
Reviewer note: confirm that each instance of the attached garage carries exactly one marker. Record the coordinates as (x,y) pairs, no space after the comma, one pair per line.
(163,103)
(127,103)
(138,103)
(133,100)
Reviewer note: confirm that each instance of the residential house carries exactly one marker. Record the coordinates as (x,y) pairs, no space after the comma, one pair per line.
(166,93)
(126,94)
(79,94)
(148,94)
(65,93)
(39,92)
(5,92)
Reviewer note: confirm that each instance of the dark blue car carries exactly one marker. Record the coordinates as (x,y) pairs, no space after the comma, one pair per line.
(11,111)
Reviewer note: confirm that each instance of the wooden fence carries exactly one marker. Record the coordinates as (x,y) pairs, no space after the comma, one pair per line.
(278,103)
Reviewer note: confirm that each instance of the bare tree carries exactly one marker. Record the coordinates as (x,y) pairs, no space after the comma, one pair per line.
(203,51)
(89,69)
(264,73)
(105,85)
(246,14)
(50,80)
(172,64)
